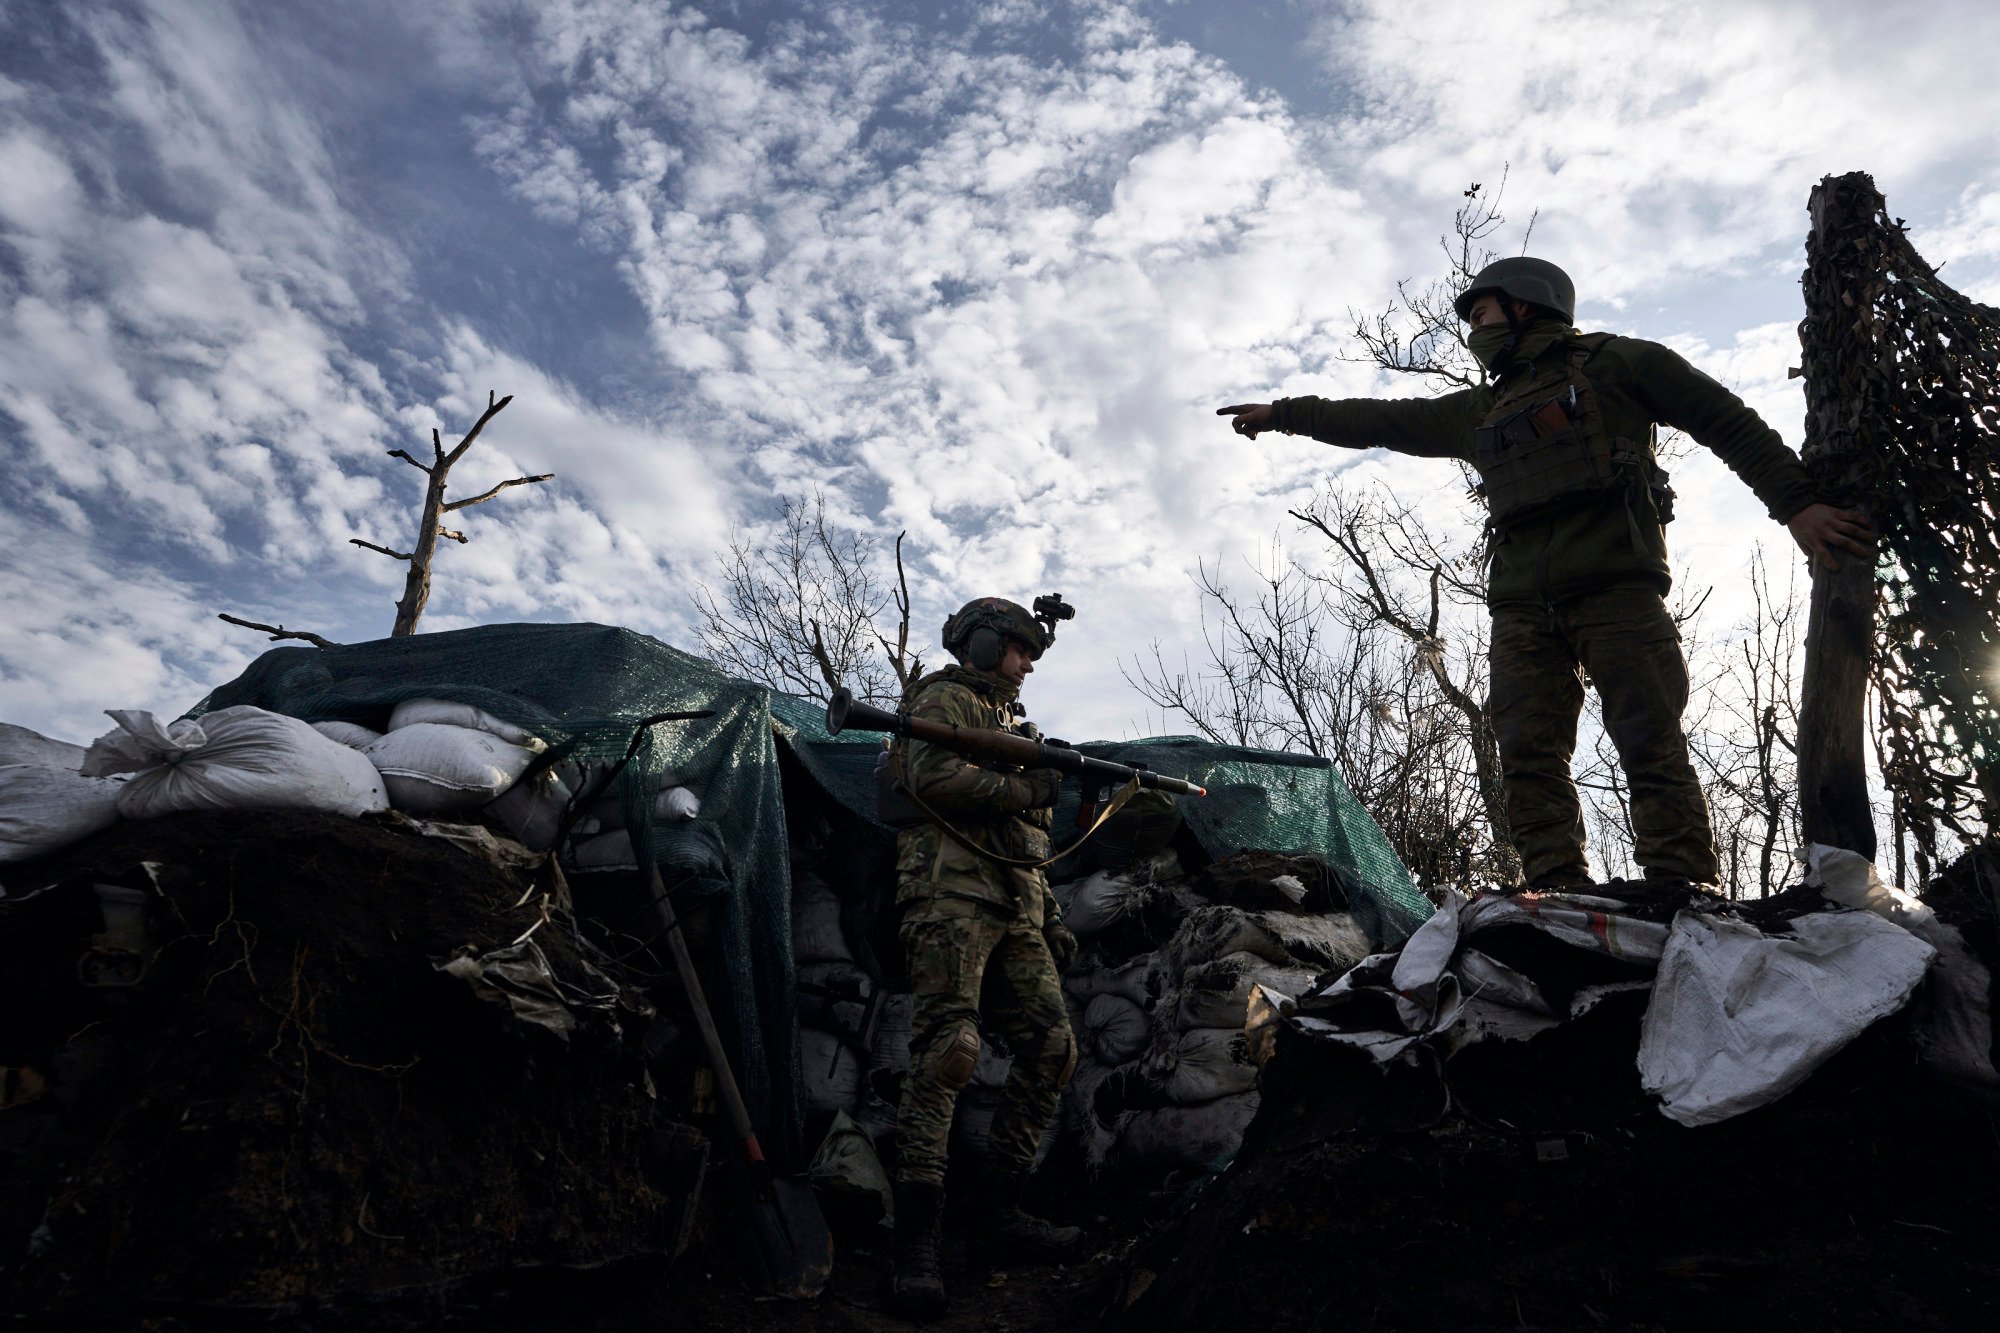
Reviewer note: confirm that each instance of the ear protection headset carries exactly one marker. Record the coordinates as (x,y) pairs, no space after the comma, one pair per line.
(984,647)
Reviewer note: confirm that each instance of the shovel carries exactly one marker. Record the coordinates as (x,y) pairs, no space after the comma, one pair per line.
(787,1249)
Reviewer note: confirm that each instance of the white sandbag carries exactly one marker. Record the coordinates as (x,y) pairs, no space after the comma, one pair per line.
(831,1069)
(1134,980)
(1201,1065)
(846,1164)
(240,758)
(1080,1121)
(437,770)
(45,809)
(532,809)
(603,853)
(1197,1136)
(677,803)
(1952,1015)
(607,808)
(445,713)
(1114,1029)
(18,745)
(891,1049)
(816,933)
(836,997)
(351,734)
(1739,1018)
(992,1068)
(1217,994)
(1102,900)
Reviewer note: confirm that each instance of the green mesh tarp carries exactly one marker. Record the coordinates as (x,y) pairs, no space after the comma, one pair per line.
(585,687)
(1257,799)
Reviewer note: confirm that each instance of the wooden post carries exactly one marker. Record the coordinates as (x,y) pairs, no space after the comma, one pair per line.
(1833,723)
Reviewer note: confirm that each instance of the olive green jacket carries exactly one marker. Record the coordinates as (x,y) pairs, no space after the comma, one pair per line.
(1618,540)
(988,806)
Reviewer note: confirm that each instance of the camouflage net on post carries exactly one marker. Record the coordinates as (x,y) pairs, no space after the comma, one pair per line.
(1903,420)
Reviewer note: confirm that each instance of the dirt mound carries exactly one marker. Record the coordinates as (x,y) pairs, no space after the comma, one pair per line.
(293,1104)
(1532,1186)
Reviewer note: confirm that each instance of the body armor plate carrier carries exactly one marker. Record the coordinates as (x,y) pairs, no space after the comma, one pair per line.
(1544,447)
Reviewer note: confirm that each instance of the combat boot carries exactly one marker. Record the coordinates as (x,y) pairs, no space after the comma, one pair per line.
(1017,1233)
(916,1288)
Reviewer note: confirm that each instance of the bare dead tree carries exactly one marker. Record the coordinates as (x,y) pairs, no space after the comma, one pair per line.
(1419,333)
(1285,669)
(430,527)
(1371,533)
(798,613)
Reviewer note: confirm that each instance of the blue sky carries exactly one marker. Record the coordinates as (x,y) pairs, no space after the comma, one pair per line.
(977,271)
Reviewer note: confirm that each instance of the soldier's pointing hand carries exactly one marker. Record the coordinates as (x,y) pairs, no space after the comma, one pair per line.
(1250,418)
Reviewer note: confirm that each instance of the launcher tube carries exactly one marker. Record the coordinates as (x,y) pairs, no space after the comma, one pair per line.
(844,713)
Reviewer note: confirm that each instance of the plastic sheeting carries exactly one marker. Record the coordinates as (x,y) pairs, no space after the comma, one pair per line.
(1739,1012)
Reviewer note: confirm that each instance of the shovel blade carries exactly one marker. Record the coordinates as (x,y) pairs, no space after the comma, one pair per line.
(786,1249)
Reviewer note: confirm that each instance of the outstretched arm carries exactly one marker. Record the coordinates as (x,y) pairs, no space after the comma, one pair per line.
(1426,427)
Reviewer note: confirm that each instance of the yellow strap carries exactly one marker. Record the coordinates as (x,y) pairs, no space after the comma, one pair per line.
(1111,807)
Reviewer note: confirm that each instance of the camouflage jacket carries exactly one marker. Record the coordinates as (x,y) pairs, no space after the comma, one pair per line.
(1617,540)
(987,805)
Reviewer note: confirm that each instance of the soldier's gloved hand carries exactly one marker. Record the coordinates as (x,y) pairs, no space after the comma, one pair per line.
(1062,944)
(1039,787)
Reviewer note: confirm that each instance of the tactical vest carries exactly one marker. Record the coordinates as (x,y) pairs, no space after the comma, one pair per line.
(893,805)
(1545,448)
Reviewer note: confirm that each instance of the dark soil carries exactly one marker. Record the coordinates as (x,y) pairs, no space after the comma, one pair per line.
(294,1106)
(297,1122)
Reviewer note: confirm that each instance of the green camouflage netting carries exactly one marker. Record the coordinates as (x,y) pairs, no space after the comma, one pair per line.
(1257,799)
(584,687)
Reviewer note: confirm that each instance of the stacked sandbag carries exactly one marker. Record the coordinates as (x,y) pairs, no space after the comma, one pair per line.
(446,760)
(239,758)
(599,840)
(1160,994)
(45,802)
(838,1003)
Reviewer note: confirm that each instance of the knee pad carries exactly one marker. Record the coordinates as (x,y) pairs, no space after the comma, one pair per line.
(952,1055)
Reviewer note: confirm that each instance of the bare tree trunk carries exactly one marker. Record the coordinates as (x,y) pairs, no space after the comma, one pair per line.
(430,527)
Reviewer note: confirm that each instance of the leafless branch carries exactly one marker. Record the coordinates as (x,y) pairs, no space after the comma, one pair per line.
(796,610)
(484,496)
(907,666)
(394,555)
(407,457)
(279,631)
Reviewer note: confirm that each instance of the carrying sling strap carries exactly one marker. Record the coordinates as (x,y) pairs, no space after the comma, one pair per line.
(1111,807)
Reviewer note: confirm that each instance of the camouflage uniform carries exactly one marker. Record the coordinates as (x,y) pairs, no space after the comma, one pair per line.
(971,930)
(1582,590)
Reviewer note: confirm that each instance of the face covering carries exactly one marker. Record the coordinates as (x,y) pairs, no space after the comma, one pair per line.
(1486,343)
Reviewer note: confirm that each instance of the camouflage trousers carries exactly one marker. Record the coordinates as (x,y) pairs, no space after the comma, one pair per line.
(959,953)
(1626,642)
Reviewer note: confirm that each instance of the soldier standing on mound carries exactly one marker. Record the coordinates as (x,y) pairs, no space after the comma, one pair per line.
(973,922)
(1563,439)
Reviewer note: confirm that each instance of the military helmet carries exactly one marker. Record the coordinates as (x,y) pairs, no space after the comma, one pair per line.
(977,632)
(1536,281)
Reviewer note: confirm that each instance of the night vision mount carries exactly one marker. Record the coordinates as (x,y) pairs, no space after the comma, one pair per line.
(1049,608)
